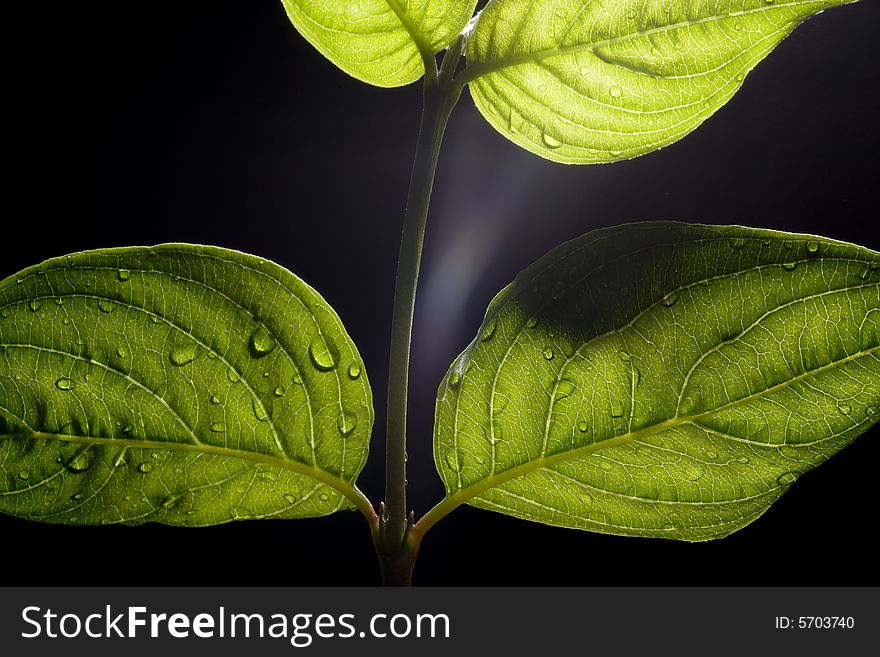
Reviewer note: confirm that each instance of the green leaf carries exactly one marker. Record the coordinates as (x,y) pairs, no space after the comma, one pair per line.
(588,81)
(382,42)
(181,384)
(663,379)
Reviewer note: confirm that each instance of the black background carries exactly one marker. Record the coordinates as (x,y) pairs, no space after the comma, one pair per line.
(215,122)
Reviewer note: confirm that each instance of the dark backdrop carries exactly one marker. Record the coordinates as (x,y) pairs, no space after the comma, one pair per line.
(215,122)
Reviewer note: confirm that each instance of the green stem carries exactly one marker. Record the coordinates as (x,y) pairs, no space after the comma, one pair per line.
(396,552)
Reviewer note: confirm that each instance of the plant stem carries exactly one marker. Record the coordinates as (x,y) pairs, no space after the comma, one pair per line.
(396,552)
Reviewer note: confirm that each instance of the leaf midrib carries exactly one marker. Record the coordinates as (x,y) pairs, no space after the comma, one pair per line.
(347,489)
(462,495)
(481,68)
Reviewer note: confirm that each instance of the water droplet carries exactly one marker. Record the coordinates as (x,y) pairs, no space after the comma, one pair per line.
(454,379)
(744,460)
(616,411)
(564,389)
(122,351)
(787,478)
(35,304)
(145,467)
(583,426)
(215,400)
(77,496)
(232,375)
(606,466)
(259,411)
(323,497)
(105,305)
(127,428)
(155,319)
(170,502)
(183,354)
(320,354)
(191,512)
(261,342)
(789,265)
(624,356)
(711,455)
(119,459)
(550,141)
(24,474)
(123,274)
(489,331)
(548,353)
(354,371)
(812,246)
(278,392)
(669,300)
(218,427)
(127,498)
(65,384)
(346,423)
(532,322)
(844,409)
(290,498)
(452,461)
(614,92)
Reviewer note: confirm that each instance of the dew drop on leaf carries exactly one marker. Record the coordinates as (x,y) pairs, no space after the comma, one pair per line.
(346,423)
(489,331)
(278,392)
(787,478)
(564,389)
(261,342)
(183,354)
(290,498)
(122,351)
(548,354)
(232,375)
(532,322)
(123,274)
(259,411)
(24,474)
(789,266)
(145,467)
(105,305)
(323,497)
(218,427)
(669,300)
(744,460)
(844,409)
(624,356)
(583,426)
(65,384)
(550,141)
(215,400)
(813,246)
(81,460)
(354,371)
(320,355)
(35,304)
(451,459)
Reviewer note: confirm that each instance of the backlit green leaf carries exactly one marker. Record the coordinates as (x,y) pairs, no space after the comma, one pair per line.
(380,41)
(663,379)
(187,385)
(587,81)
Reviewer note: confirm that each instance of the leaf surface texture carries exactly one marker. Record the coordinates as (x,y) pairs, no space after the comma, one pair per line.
(663,379)
(180,384)
(589,81)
